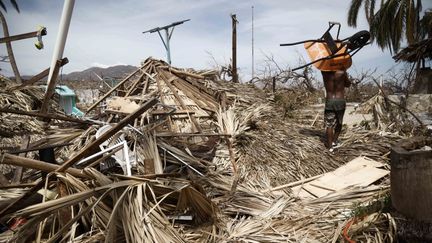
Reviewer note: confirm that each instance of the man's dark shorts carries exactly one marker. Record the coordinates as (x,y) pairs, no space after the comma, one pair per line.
(334,112)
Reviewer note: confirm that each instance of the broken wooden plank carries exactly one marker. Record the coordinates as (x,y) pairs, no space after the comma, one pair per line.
(359,172)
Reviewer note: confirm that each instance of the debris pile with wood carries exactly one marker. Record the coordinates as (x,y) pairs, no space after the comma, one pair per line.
(175,155)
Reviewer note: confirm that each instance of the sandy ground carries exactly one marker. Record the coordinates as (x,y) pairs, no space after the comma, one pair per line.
(351,118)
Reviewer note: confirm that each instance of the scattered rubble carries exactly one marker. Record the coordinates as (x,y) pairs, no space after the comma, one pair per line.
(175,155)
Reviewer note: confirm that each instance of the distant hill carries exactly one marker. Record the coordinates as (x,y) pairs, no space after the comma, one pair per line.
(87,78)
(115,72)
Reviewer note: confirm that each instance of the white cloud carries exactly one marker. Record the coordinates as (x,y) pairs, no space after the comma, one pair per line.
(101,65)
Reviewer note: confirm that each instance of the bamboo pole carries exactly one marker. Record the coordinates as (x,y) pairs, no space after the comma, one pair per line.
(38,165)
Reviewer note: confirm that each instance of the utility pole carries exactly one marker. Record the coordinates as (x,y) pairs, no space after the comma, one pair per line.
(253,61)
(234,48)
(168,33)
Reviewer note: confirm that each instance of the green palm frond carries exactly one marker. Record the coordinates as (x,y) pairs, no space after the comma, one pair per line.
(353,12)
(14,4)
(394,21)
(426,25)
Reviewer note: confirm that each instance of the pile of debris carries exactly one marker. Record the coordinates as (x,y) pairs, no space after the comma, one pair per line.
(175,155)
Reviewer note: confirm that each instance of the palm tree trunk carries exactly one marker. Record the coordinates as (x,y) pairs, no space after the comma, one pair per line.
(9,49)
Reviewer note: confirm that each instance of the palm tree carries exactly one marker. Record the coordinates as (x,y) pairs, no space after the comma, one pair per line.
(8,44)
(392,22)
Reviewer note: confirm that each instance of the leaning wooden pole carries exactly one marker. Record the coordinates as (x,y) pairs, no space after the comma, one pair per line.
(234,48)
(9,49)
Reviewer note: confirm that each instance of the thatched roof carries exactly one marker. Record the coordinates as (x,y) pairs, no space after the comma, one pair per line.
(415,52)
(230,186)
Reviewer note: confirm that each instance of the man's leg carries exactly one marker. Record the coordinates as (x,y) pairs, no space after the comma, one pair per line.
(329,122)
(329,135)
(338,127)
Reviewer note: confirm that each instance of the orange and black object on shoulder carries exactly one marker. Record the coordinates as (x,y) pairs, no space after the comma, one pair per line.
(329,54)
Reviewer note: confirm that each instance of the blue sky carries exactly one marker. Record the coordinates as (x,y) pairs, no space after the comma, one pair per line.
(109,32)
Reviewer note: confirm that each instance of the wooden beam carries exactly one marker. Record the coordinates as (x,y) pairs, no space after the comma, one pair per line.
(21,36)
(50,89)
(19,170)
(178,72)
(42,74)
(38,165)
(49,116)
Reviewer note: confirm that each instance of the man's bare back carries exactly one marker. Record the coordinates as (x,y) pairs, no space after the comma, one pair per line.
(334,83)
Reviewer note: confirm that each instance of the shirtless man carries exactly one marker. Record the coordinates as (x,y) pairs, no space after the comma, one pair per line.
(335,83)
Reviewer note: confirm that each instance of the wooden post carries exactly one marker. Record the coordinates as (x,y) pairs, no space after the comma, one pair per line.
(51,88)
(9,49)
(234,48)
(274,85)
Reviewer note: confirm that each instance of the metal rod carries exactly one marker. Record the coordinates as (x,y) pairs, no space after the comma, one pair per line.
(253,61)
(167,40)
(168,33)
(99,153)
(175,156)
